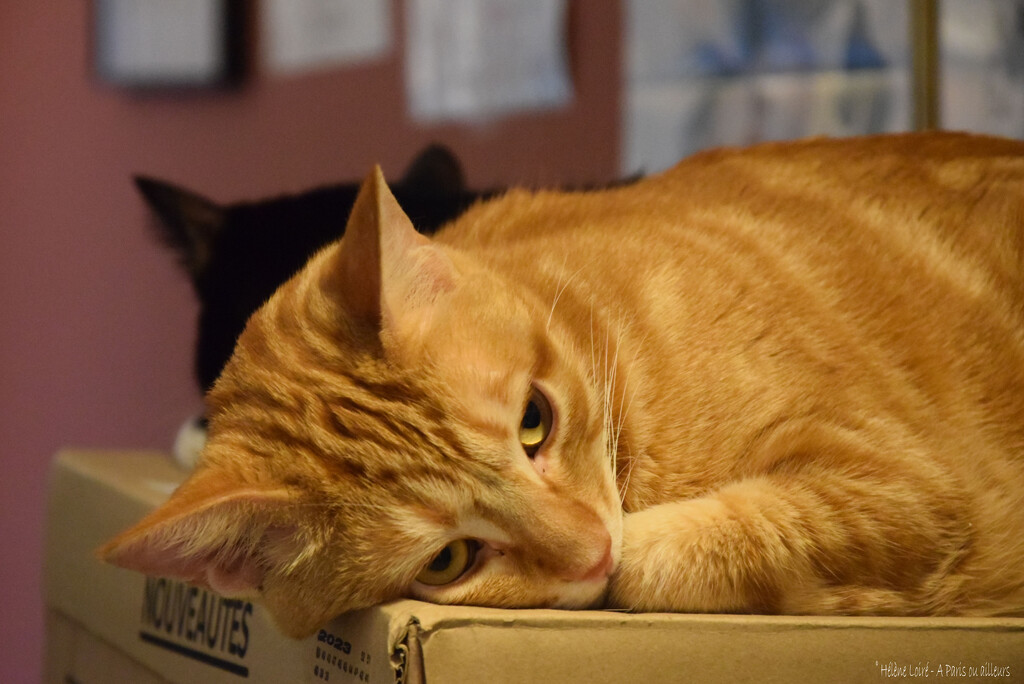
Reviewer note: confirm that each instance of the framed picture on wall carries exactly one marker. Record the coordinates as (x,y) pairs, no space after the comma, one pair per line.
(168,43)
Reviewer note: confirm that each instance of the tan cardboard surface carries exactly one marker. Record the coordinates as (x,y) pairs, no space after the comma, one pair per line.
(601,646)
(105,620)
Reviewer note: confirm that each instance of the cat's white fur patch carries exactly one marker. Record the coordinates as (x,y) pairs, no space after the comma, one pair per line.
(189,442)
(162,487)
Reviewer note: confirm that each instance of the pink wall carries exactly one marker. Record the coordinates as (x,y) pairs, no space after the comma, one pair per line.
(96,323)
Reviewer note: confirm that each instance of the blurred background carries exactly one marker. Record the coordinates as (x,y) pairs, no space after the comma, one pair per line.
(245,100)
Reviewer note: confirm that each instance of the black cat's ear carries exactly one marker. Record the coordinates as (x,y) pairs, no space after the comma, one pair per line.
(435,170)
(186,221)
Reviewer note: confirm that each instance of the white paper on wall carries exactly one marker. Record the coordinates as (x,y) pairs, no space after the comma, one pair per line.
(704,73)
(666,122)
(671,39)
(982,66)
(165,41)
(478,59)
(306,35)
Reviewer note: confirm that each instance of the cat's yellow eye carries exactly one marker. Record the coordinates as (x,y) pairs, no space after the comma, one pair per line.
(450,564)
(536,423)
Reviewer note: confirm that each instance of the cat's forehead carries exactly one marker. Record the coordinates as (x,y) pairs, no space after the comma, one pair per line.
(440,418)
(488,336)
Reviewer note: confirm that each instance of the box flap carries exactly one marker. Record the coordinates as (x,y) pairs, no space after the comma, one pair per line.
(479,644)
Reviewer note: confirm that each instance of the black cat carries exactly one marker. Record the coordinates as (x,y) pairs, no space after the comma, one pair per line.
(236,255)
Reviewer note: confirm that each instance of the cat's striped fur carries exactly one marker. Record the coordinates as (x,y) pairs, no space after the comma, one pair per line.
(783,379)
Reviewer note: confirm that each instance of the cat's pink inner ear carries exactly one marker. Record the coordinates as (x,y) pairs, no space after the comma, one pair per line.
(218,543)
(242,574)
(229,576)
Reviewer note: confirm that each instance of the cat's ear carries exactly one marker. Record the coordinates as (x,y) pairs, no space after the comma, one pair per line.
(186,221)
(383,272)
(213,533)
(435,171)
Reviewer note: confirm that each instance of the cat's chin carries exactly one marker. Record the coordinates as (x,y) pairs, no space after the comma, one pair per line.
(583,595)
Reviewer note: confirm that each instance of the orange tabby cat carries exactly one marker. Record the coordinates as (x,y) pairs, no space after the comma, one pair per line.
(788,379)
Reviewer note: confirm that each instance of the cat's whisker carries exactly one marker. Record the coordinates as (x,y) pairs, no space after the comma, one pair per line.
(560,288)
(600,380)
(612,422)
(608,381)
(632,459)
(624,409)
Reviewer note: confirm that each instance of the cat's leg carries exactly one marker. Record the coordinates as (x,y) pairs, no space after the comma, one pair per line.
(815,542)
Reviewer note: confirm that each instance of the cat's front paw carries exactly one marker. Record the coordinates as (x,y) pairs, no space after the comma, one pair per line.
(648,575)
(674,559)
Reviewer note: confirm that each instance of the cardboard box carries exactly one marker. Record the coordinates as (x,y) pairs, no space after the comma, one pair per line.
(106,624)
